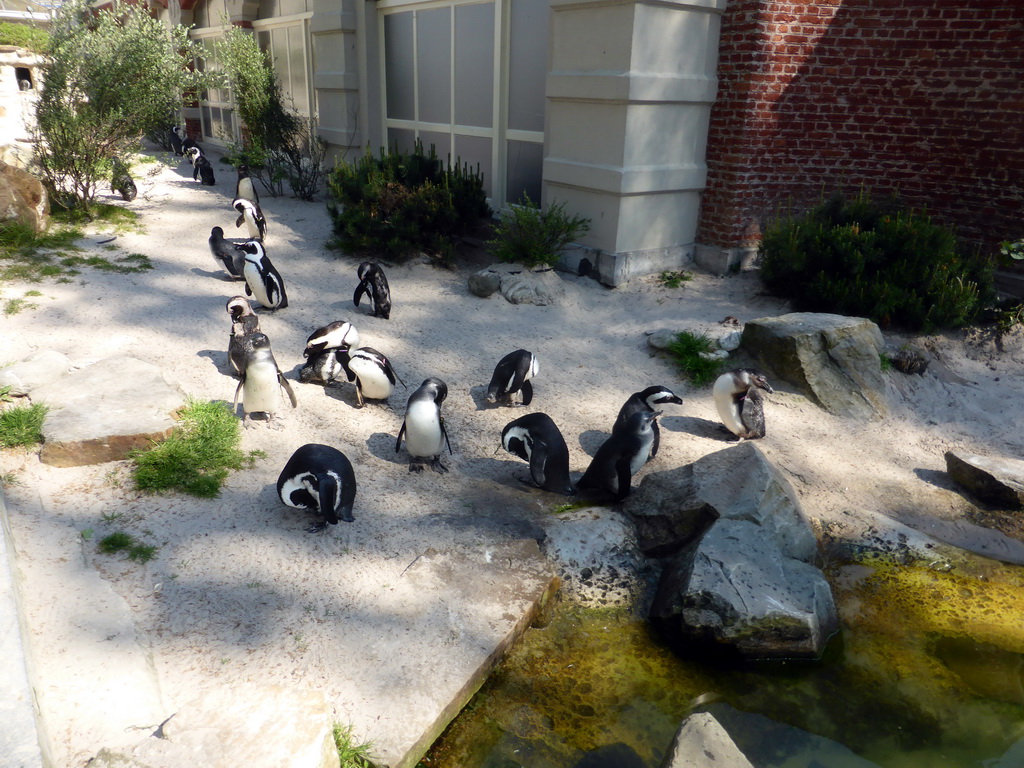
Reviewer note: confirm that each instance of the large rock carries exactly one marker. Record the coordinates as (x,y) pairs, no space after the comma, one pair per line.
(702,742)
(102,412)
(23,198)
(34,371)
(993,480)
(518,284)
(834,360)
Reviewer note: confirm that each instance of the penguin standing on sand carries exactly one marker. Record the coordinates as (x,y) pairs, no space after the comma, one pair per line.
(535,439)
(262,280)
(244,188)
(375,378)
(250,214)
(620,457)
(740,405)
(176,140)
(373,283)
(261,382)
(423,427)
(229,257)
(512,374)
(202,170)
(121,180)
(646,400)
(244,324)
(321,479)
(186,144)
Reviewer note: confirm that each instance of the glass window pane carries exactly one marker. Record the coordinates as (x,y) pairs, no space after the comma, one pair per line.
(297,69)
(528,64)
(433,64)
(398,65)
(474,64)
(442,144)
(524,169)
(401,139)
(475,151)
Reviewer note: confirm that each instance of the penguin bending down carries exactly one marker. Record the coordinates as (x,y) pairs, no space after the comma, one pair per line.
(202,171)
(512,374)
(534,438)
(262,280)
(423,427)
(340,334)
(742,414)
(244,188)
(261,381)
(250,214)
(322,368)
(244,324)
(374,284)
(646,400)
(186,142)
(227,255)
(375,378)
(621,456)
(319,478)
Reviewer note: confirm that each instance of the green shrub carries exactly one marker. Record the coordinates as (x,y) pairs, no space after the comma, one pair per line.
(22,425)
(686,351)
(350,754)
(397,204)
(123,542)
(877,261)
(24,36)
(197,456)
(532,237)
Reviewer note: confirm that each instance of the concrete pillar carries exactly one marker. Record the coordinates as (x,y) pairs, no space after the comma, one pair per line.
(629,100)
(337,64)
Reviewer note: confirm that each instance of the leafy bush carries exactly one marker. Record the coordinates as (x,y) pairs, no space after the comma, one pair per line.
(687,351)
(532,237)
(24,36)
(396,204)
(875,260)
(22,425)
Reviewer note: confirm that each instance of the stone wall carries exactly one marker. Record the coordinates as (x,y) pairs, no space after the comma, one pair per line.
(907,96)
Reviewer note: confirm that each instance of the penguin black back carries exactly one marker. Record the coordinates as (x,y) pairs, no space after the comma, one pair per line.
(512,374)
(535,439)
(373,283)
(646,400)
(620,457)
(321,479)
(203,171)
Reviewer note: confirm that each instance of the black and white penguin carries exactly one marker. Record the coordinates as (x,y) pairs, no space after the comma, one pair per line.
(374,376)
(423,427)
(373,283)
(192,154)
(262,280)
(646,400)
(321,479)
(244,324)
(202,171)
(251,215)
(512,374)
(322,368)
(175,137)
(228,257)
(261,382)
(121,181)
(741,414)
(244,188)
(620,457)
(340,334)
(535,439)
(187,144)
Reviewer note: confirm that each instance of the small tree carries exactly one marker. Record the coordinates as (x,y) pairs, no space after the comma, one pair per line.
(112,76)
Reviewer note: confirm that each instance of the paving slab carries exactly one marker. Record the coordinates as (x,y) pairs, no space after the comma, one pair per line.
(34,371)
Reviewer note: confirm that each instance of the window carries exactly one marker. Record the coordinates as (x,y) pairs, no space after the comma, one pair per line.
(285,42)
(216,109)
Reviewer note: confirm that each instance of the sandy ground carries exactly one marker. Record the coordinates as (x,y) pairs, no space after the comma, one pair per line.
(240,593)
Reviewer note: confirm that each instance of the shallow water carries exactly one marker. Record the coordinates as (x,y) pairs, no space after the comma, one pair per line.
(927,672)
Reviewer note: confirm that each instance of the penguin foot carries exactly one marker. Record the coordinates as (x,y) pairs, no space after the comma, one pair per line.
(317,527)
(415,466)
(438,467)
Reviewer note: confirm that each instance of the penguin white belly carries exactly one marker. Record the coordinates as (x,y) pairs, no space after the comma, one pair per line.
(254,280)
(245,189)
(423,430)
(728,411)
(253,227)
(533,367)
(642,455)
(373,381)
(261,392)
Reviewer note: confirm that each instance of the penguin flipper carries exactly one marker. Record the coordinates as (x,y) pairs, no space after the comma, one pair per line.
(527,390)
(288,389)
(241,381)
(624,477)
(444,432)
(401,432)
(390,372)
(248,289)
(240,220)
(360,290)
(657,440)
(538,458)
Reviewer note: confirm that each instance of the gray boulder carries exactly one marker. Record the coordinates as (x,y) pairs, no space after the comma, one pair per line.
(23,198)
(34,371)
(102,412)
(484,283)
(993,480)
(702,742)
(518,284)
(833,360)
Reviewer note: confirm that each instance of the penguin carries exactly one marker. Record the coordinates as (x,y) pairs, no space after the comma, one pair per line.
(512,374)
(374,284)
(321,479)
(375,378)
(423,427)
(193,154)
(340,334)
(249,212)
(203,171)
(620,457)
(227,255)
(176,140)
(731,391)
(322,368)
(244,324)
(262,280)
(121,181)
(244,188)
(261,381)
(646,400)
(534,438)
(186,144)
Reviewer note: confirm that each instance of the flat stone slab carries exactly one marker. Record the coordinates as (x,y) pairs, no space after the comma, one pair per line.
(102,412)
(992,479)
(34,371)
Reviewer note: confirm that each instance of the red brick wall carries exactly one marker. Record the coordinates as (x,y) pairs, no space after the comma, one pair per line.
(924,98)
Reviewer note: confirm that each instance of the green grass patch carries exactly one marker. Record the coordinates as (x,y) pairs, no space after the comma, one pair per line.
(22,425)
(121,542)
(567,506)
(24,36)
(198,456)
(674,279)
(686,352)
(350,754)
(126,265)
(115,217)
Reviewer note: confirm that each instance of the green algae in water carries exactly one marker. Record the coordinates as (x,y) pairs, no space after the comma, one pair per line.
(909,684)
